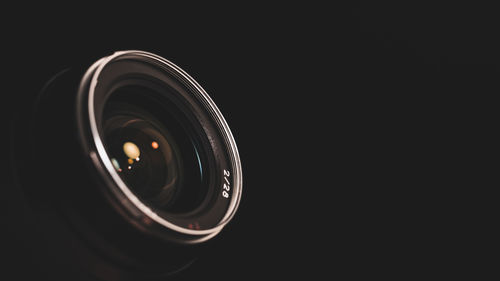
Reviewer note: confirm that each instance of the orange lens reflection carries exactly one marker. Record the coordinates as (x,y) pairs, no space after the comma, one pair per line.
(154,145)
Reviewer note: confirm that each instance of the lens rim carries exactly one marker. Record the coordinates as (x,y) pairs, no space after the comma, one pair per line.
(95,147)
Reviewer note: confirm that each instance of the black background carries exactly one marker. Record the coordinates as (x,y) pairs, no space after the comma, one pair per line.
(341,115)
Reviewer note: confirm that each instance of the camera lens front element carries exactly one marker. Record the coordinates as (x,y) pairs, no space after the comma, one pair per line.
(167,155)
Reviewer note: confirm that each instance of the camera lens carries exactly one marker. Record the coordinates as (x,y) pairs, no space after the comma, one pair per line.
(138,165)
(162,146)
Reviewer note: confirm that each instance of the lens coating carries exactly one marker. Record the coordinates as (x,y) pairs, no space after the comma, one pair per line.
(146,158)
(153,151)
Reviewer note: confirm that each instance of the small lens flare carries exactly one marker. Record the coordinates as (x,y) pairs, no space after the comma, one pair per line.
(130,161)
(116,164)
(131,150)
(155,145)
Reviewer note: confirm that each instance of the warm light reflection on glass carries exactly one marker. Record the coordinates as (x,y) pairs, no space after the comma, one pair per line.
(131,150)
(155,145)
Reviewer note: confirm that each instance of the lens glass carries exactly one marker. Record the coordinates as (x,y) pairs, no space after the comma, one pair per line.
(153,151)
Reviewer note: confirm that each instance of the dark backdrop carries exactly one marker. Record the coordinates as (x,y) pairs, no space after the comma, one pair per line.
(341,115)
